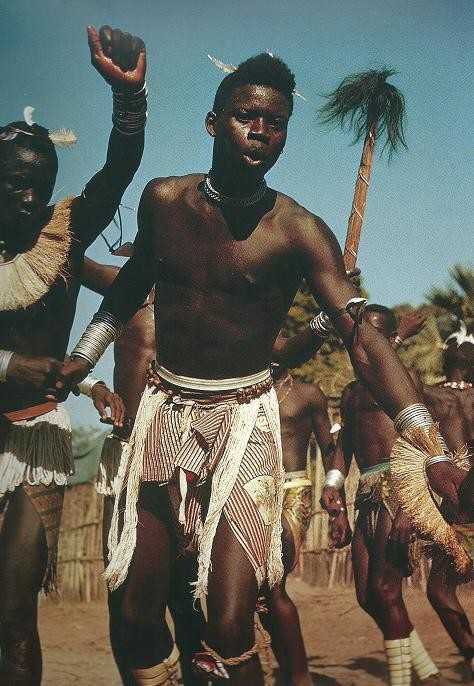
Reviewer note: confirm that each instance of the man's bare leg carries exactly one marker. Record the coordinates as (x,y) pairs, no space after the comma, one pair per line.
(231,602)
(385,582)
(115,601)
(379,592)
(23,559)
(441,592)
(145,636)
(283,623)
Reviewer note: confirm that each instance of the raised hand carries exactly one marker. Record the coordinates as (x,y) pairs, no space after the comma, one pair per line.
(411,324)
(119,57)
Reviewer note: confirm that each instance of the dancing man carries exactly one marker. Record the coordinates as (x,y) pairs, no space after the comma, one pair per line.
(303,412)
(452,403)
(383,534)
(41,253)
(227,254)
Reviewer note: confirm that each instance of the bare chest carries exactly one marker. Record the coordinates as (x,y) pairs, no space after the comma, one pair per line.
(204,254)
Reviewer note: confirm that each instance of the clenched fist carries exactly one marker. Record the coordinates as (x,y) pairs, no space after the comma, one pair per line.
(119,57)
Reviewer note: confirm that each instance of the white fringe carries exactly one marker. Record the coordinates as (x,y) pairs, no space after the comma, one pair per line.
(223,481)
(37,451)
(111,457)
(275,563)
(121,551)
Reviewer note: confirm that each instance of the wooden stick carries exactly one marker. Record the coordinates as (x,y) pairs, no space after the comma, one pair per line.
(356,217)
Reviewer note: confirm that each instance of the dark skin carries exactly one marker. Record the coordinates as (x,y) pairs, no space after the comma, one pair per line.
(454,409)
(226,278)
(368,434)
(133,352)
(39,335)
(303,411)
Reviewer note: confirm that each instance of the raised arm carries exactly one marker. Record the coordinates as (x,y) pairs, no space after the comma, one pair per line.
(98,277)
(120,59)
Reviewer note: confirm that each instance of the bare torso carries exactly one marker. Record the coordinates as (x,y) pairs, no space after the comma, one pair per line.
(133,352)
(371,430)
(221,295)
(40,330)
(454,410)
(298,402)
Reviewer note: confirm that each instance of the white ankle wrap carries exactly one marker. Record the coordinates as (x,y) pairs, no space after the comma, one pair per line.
(163,674)
(420,659)
(399,661)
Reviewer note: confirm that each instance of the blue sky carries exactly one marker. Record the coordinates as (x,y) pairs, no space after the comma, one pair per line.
(419,212)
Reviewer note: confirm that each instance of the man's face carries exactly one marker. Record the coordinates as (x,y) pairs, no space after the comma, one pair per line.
(380,322)
(251,129)
(27,180)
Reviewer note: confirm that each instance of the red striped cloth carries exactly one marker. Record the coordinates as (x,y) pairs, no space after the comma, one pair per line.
(191,436)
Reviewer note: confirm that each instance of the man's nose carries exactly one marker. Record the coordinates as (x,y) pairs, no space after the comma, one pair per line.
(259,130)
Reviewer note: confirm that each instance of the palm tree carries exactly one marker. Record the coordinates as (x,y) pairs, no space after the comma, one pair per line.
(371,107)
(457,299)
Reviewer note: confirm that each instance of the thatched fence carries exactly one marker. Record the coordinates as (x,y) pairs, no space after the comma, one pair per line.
(80,564)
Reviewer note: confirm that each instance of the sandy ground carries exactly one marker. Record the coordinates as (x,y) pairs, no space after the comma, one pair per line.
(343,645)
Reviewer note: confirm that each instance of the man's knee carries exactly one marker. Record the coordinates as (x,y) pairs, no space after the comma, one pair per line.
(385,593)
(138,615)
(233,632)
(438,596)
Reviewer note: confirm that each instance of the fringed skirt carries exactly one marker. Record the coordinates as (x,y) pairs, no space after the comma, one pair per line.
(36,454)
(234,446)
(110,463)
(376,492)
(297,502)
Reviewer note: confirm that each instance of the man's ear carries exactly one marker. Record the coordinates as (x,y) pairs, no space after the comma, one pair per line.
(211,118)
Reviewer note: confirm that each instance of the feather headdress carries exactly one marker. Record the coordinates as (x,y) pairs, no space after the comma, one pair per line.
(61,138)
(461,336)
(229,68)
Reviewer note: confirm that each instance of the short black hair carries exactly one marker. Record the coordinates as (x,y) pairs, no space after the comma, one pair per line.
(262,70)
(387,313)
(34,138)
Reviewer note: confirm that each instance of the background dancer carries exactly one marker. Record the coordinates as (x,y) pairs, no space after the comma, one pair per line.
(382,536)
(227,255)
(41,253)
(303,412)
(452,403)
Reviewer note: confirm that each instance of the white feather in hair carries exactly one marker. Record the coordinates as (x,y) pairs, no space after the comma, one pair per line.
(63,138)
(229,68)
(28,115)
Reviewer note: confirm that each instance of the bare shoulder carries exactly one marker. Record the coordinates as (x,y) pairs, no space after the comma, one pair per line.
(167,190)
(305,228)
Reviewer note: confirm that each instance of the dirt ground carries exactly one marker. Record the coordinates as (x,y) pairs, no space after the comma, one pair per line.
(343,645)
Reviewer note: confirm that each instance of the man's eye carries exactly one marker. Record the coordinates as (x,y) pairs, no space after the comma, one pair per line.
(243,116)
